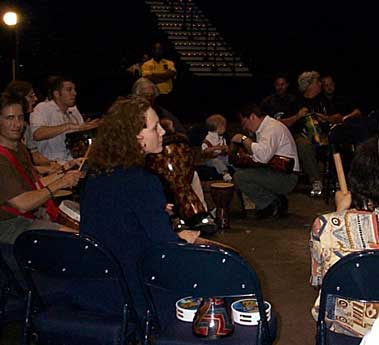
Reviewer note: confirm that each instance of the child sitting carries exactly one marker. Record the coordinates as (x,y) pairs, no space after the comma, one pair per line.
(214,146)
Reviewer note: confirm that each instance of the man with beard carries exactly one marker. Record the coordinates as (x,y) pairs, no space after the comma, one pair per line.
(281,103)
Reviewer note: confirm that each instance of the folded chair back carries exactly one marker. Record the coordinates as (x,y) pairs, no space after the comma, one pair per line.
(90,302)
(352,279)
(181,270)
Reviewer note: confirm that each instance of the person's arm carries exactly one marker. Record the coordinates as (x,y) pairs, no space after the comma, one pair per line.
(289,121)
(211,151)
(31,200)
(149,206)
(150,210)
(335,118)
(61,169)
(161,77)
(343,201)
(48,132)
(354,114)
(169,73)
(40,160)
(316,254)
(263,150)
(243,140)
(46,169)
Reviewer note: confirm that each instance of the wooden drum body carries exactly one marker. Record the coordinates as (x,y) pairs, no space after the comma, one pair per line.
(222,195)
(175,167)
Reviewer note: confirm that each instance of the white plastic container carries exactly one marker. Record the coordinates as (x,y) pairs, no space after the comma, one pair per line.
(186,308)
(245,311)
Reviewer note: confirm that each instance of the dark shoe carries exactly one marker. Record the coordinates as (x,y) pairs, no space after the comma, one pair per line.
(276,209)
(271,210)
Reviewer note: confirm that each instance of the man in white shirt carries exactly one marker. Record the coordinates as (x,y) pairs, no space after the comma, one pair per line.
(52,119)
(265,186)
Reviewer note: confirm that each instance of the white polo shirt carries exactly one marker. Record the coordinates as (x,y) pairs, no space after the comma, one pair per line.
(49,114)
(274,138)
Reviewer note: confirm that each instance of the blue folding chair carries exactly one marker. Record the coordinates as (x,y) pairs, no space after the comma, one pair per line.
(12,296)
(95,305)
(355,277)
(175,271)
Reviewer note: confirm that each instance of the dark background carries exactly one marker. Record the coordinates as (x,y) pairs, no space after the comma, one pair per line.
(95,42)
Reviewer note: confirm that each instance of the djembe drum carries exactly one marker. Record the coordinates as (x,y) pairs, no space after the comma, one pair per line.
(78,142)
(222,195)
(69,214)
(213,319)
(175,167)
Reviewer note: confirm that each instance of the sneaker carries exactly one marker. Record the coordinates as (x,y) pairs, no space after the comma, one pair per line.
(316,188)
(227,177)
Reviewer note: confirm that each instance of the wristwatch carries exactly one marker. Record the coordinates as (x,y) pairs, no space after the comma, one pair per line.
(243,138)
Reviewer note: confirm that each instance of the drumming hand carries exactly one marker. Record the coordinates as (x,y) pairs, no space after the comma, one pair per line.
(237,138)
(70,179)
(302,113)
(70,164)
(322,117)
(189,235)
(53,167)
(342,200)
(225,148)
(92,123)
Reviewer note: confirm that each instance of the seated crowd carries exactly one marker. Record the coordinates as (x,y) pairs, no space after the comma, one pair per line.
(124,206)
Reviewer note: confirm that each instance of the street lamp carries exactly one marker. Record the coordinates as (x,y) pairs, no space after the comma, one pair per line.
(11,19)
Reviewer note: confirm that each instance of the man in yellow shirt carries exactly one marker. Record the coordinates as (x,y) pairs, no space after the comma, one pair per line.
(159,70)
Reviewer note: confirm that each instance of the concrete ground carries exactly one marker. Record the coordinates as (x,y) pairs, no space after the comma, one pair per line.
(279,251)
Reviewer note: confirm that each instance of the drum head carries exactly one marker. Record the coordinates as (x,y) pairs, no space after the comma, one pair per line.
(70,208)
(222,185)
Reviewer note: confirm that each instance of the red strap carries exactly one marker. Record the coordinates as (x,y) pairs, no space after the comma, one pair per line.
(16,212)
(51,209)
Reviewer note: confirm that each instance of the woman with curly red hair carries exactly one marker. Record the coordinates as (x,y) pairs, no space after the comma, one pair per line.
(122,204)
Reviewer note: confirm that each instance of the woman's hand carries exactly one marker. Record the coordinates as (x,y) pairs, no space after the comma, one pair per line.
(189,235)
(342,200)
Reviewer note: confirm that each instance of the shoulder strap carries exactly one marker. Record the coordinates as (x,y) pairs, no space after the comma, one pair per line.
(49,205)
(16,164)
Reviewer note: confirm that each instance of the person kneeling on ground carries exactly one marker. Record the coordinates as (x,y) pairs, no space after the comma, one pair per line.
(265,186)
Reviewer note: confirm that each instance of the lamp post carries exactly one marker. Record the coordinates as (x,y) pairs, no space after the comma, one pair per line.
(11,19)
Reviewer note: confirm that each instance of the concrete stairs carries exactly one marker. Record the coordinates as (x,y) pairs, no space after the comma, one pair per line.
(196,40)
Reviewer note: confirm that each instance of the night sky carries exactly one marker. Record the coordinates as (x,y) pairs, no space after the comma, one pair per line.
(95,42)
